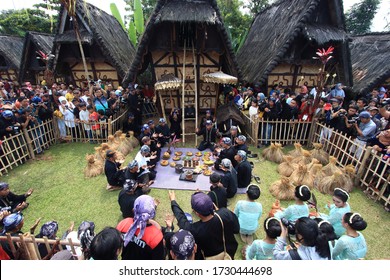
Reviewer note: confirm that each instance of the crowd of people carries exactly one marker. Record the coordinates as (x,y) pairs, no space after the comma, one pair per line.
(212,235)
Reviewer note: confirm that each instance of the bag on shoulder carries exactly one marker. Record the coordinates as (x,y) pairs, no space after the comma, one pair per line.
(220,256)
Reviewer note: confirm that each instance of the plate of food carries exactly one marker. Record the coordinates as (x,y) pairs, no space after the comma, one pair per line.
(172,164)
(204,167)
(207,172)
(178,153)
(176,158)
(164,162)
(166,155)
(208,162)
(198,154)
(189,154)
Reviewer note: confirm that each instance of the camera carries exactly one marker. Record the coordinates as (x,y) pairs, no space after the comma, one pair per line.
(8,208)
(16,129)
(353,120)
(385,102)
(289,225)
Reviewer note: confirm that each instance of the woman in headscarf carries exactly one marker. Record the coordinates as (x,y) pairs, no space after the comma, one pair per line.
(66,108)
(229,178)
(244,169)
(143,239)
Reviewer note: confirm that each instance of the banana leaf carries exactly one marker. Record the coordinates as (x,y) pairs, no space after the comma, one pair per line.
(138,17)
(132,33)
(115,12)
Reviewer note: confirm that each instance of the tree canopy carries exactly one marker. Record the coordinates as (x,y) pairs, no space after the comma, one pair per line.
(359,18)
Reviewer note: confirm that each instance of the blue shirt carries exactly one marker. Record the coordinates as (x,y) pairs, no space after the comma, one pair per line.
(248,213)
(335,216)
(260,250)
(100,104)
(293,212)
(368,130)
(349,248)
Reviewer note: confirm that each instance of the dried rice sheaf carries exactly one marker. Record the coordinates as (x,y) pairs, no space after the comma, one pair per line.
(274,153)
(112,142)
(124,146)
(297,152)
(331,167)
(287,167)
(282,189)
(329,183)
(320,154)
(305,158)
(134,141)
(93,168)
(298,177)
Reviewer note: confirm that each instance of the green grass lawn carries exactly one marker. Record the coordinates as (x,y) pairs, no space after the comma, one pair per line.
(62,193)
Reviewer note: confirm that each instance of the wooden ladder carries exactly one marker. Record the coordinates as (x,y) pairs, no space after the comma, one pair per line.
(189,93)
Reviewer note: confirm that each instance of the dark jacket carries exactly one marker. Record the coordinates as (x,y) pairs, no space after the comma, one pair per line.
(209,136)
(244,174)
(113,173)
(229,181)
(219,196)
(12,200)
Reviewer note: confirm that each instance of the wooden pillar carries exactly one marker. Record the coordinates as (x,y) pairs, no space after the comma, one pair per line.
(109,130)
(29,145)
(362,167)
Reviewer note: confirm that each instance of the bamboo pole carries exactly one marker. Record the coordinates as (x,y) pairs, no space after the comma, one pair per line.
(363,163)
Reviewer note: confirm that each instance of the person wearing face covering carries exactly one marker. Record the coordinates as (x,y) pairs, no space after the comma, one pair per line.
(67,110)
(143,238)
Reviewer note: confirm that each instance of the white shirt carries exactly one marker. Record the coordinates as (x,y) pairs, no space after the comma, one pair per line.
(141,159)
(253,111)
(84,116)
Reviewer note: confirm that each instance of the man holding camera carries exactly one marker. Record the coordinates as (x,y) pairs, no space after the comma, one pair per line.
(366,129)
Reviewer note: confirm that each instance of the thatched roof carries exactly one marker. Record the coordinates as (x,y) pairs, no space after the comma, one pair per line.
(96,26)
(11,48)
(199,11)
(370,55)
(42,41)
(276,27)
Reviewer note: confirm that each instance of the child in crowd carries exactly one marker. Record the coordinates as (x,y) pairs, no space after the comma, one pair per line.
(352,245)
(300,208)
(249,212)
(337,210)
(93,118)
(84,118)
(102,119)
(263,249)
(61,124)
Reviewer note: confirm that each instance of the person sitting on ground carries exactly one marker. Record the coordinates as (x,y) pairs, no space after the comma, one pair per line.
(232,134)
(164,134)
(106,245)
(113,172)
(155,149)
(241,144)
(205,119)
(244,169)
(12,202)
(313,243)
(183,246)
(249,213)
(131,191)
(48,230)
(209,227)
(210,134)
(339,207)
(326,228)
(226,151)
(263,249)
(13,225)
(352,245)
(130,126)
(229,178)
(300,208)
(143,238)
(217,191)
(143,159)
(131,172)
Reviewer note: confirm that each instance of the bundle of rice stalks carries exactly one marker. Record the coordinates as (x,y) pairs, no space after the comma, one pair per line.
(282,189)
(299,175)
(315,174)
(287,167)
(133,141)
(98,154)
(112,142)
(273,153)
(297,152)
(329,183)
(305,158)
(93,168)
(120,157)
(124,147)
(350,171)
(331,167)
(118,134)
(320,154)
(275,208)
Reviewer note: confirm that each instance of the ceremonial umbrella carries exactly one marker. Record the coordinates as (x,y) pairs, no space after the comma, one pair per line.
(219,78)
(168,82)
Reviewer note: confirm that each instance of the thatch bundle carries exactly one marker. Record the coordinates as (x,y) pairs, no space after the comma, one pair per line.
(275,208)
(350,171)
(124,146)
(297,152)
(133,141)
(118,134)
(273,153)
(283,189)
(98,154)
(331,167)
(287,167)
(299,176)
(315,174)
(305,158)
(112,142)
(312,163)
(93,168)
(329,183)
(320,154)
(120,157)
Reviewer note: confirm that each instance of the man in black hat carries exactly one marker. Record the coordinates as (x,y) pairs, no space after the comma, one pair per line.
(209,136)
(113,172)
(127,196)
(226,151)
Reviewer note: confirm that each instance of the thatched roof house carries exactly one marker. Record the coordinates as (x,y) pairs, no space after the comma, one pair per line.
(106,46)
(10,54)
(176,26)
(284,37)
(32,67)
(370,55)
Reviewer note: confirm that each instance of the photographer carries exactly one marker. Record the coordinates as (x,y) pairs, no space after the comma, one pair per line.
(366,129)
(384,112)
(45,110)
(348,120)
(8,124)
(313,244)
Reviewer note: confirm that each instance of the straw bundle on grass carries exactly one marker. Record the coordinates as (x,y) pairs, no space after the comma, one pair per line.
(312,163)
(117,135)
(320,154)
(329,183)
(124,146)
(282,189)
(299,175)
(287,167)
(297,152)
(315,173)
(93,168)
(273,153)
(112,142)
(331,167)
(134,141)
(350,171)
(120,157)
(275,208)
(98,154)
(305,158)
